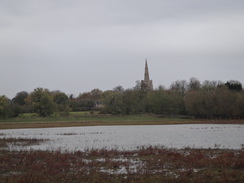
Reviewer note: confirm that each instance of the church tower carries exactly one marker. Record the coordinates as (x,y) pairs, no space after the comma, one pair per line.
(146,84)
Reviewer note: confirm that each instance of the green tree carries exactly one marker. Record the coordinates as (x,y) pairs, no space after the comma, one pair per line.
(20,98)
(119,89)
(227,102)
(211,102)
(177,105)
(134,102)
(159,102)
(165,102)
(18,104)
(62,102)
(241,105)
(194,103)
(41,102)
(113,101)
(87,101)
(5,110)
(96,94)
(234,85)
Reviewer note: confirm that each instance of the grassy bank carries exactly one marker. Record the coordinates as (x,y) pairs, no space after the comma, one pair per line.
(95,119)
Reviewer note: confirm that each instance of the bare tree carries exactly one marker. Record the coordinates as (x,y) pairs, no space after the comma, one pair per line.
(194,84)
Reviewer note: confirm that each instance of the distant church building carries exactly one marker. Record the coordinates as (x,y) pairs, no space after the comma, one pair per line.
(146,84)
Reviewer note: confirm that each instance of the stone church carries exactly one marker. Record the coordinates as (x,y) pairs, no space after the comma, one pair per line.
(146,84)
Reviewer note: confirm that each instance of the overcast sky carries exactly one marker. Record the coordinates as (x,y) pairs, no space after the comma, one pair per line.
(78,45)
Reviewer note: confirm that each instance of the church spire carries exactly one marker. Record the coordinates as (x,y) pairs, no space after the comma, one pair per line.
(146,84)
(146,75)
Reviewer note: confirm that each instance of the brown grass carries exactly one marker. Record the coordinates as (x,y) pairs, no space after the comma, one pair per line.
(152,164)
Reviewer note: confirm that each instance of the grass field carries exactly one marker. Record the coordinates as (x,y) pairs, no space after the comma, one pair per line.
(31,120)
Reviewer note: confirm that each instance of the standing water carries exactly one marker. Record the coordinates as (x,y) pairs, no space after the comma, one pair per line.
(132,137)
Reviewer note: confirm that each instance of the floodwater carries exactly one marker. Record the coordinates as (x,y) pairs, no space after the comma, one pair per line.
(132,137)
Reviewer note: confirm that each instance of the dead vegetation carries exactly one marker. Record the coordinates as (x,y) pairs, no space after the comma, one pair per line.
(6,142)
(151,164)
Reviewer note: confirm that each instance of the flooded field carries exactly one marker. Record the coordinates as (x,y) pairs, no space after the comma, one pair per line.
(130,137)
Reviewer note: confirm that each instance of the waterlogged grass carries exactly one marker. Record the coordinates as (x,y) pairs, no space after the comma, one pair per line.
(5,143)
(31,120)
(86,119)
(151,164)
(84,116)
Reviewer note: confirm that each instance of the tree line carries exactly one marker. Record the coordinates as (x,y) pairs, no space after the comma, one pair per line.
(210,99)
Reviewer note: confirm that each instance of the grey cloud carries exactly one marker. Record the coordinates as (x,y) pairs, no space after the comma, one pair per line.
(114,12)
(60,43)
